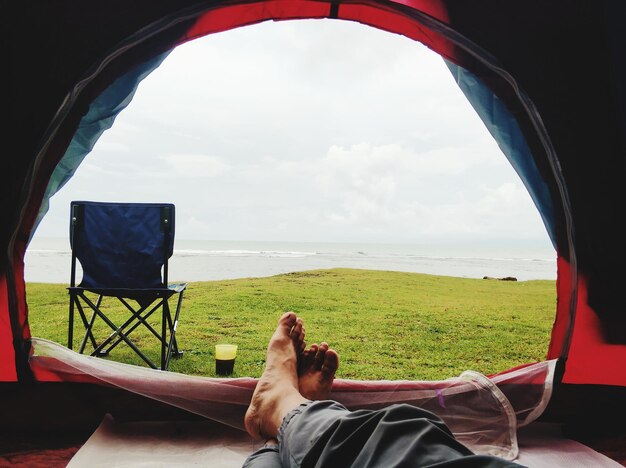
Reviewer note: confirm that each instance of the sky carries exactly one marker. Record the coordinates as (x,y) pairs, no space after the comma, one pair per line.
(317,130)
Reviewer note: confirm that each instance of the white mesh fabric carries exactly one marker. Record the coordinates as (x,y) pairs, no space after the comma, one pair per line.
(477,410)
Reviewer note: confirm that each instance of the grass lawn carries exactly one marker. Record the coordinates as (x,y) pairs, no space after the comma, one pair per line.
(385,325)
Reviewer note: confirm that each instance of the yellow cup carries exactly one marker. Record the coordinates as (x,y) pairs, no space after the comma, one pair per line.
(225,355)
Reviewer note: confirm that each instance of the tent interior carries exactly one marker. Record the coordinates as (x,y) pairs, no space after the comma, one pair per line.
(548,80)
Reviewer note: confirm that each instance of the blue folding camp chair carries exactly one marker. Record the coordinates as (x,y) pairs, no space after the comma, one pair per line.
(122,248)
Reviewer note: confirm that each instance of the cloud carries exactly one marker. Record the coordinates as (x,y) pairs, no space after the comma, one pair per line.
(113,146)
(376,173)
(396,192)
(307,130)
(107,169)
(196,165)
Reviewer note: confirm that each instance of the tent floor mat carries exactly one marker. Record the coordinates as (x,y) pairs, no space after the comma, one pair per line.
(72,450)
(544,445)
(613,446)
(183,443)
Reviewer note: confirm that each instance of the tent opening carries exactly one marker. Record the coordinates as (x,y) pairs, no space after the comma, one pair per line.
(313,145)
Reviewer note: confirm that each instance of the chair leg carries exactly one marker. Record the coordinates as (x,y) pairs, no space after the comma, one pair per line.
(176,352)
(93,340)
(164,319)
(86,324)
(70,330)
(116,333)
(167,337)
(140,320)
(172,345)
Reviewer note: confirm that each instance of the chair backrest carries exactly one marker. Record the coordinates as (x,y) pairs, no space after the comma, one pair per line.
(121,245)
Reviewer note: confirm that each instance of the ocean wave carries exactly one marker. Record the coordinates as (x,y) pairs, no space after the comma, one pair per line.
(49,251)
(243,253)
(412,256)
(371,255)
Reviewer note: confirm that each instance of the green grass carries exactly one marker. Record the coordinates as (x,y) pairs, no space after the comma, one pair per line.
(385,325)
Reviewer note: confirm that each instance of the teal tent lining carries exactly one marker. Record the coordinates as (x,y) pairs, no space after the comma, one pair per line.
(508,134)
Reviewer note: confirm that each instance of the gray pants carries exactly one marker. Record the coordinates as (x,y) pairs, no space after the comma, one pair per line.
(326,434)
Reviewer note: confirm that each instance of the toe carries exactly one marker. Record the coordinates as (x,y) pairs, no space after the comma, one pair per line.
(310,355)
(287,323)
(288,319)
(319,356)
(296,330)
(297,336)
(307,358)
(331,363)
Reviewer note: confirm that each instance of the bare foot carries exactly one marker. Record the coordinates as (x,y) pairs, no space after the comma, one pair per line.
(318,365)
(276,392)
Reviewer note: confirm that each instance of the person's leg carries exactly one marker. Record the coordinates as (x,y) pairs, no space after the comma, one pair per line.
(325,433)
(316,373)
(266,457)
(286,344)
(276,393)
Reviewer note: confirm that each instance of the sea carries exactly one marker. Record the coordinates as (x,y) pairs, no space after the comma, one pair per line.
(48,259)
